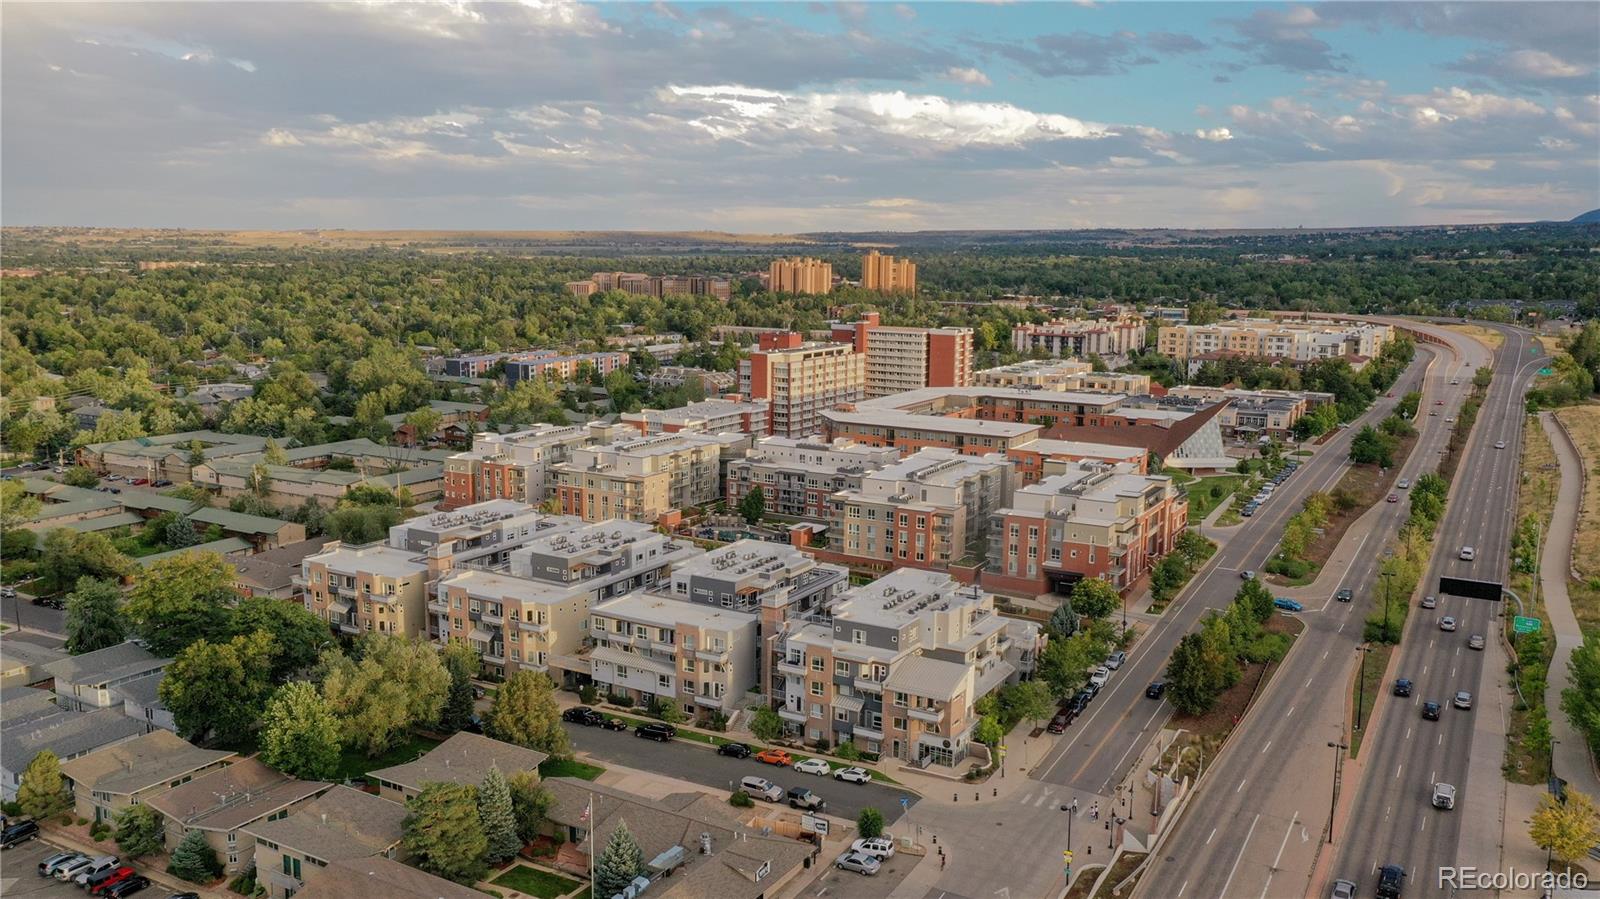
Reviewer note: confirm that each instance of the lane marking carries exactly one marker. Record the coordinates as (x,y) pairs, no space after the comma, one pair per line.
(1182,888)
(1290,712)
(1213,833)
(1266,747)
(1242,847)
(1241,785)
(1397,769)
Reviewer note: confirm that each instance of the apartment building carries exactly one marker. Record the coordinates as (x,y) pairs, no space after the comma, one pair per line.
(223,802)
(796,477)
(898,668)
(532,613)
(800,275)
(901,359)
(1041,458)
(477,365)
(927,510)
(653,285)
(645,478)
(712,382)
(514,466)
(108,780)
(1114,340)
(1297,341)
(800,380)
(717,416)
(563,368)
(291,853)
(886,274)
(654,648)
(1095,520)
(1069,375)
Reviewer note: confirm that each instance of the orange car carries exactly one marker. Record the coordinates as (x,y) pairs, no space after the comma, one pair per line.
(774,757)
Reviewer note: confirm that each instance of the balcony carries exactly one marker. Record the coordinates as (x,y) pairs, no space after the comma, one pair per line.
(796,715)
(930,716)
(537,627)
(494,653)
(439,606)
(796,667)
(349,627)
(866,732)
(867,685)
(495,618)
(710,702)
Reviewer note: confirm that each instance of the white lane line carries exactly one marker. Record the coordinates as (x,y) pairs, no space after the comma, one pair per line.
(1290,712)
(1027,798)
(1441,740)
(1325,652)
(1408,733)
(1208,838)
(1308,681)
(1242,846)
(1241,785)
(1424,669)
(1341,625)
(1433,776)
(1182,888)
(1266,747)
(1397,769)
(1424,823)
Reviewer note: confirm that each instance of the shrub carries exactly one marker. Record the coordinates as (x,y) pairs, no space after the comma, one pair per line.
(717,721)
(588,694)
(741,799)
(11,809)
(848,752)
(99,830)
(869,823)
(619,699)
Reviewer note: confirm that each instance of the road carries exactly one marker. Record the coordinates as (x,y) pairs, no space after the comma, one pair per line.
(689,762)
(22,614)
(1391,820)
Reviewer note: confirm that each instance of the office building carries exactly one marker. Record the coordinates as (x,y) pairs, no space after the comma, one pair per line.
(800,380)
(564,368)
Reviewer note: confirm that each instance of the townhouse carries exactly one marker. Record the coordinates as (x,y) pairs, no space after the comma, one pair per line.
(110,779)
(31,723)
(225,802)
(363,878)
(797,476)
(340,825)
(927,510)
(646,478)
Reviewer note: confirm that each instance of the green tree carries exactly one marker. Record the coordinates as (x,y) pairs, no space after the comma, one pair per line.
(141,831)
(424,422)
(273,454)
(1063,621)
(1372,447)
(1568,829)
(1254,596)
(299,733)
(619,862)
(530,805)
(194,860)
(94,619)
(869,823)
(463,663)
(1093,597)
(218,690)
(1202,666)
(197,453)
(17,505)
(1581,700)
(182,599)
(180,533)
(1031,700)
(399,683)
(65,556)
(1064,664)
(766,724)
(525,713)
(1168,577)
(78,476)
(300,636)
(989,731)
(43,790)
(753,505)
(442,833)
(497,817)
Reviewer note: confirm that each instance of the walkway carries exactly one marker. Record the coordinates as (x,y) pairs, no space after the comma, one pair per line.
(1573,761)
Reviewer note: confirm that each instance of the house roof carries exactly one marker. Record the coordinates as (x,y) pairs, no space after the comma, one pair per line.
(105,522)
(229,798)
(106,665)
(67,734)
(463,759)
(148,760)
(225,546)
(239,522)
(19,705)
(144,691)
(379,876)
(922,676)
(342,823)
(275,568)
(16,653)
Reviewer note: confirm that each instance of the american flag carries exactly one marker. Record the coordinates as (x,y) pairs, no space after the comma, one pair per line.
(586,810)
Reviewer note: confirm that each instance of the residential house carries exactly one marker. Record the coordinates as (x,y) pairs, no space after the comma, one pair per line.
(363,878)
(342,824)
(224,802)
(463,759)
(31,723)
(108,780)
(89,681)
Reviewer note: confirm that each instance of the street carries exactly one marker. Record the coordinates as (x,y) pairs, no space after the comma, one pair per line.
(22,614)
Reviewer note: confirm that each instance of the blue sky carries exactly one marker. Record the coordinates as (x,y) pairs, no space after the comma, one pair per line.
(552,114)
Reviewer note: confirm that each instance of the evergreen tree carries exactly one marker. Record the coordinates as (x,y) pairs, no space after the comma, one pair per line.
(194,860)
(869,823)
(443,834)
(299,733)
(140,831)
(94,616)
(181,533)
(525,713)
(753,505)
(619,863)
(43,790)
(462,661)
(496,815)
(1063,621)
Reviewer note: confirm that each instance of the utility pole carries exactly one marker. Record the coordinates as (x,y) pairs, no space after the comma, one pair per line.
(1386,575)
(1361,683)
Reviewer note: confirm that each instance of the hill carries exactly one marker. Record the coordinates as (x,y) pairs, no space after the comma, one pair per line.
(1588,218)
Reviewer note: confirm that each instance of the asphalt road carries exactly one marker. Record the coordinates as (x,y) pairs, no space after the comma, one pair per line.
(1099,748)
(22,614)
(692,762)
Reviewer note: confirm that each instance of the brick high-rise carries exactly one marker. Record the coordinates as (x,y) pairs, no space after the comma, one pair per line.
(901,359)
(801,380)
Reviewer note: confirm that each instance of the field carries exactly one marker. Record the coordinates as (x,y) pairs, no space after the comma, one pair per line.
(1487,336)
(354,764)
(1206,493)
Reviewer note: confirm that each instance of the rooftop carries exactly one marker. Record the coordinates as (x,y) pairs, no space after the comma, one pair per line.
(922,676)
(224,547)
(463,759)
(275,568)
(139,763)
(655,608)
(376,558)
(342,823)
(231,797)
(898,597)
(911,421)
(67,734)
(105,665)
(363,878)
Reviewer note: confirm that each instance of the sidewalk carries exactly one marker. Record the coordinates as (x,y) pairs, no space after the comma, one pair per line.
(1573,760)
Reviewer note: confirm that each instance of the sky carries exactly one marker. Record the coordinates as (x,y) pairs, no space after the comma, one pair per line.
(795,117)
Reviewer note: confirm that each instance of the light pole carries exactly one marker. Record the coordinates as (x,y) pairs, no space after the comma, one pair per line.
(1338,747)
(1386,575)
(1361,683)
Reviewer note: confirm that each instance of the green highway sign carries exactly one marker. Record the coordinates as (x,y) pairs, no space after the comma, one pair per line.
(1546,371)
(1522,625)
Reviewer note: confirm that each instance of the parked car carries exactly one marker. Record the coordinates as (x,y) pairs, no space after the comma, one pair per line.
(614,724)
(734,750)
(140,482)
(1156,690)
(1249,510)
(1344,595)
(657,731)
(49,602)
(1430,602)
(1447,623)
(859,862)
(162,483)
(18,833)
(97,882)
(877,847)
(1391,880)
(1430,711)
(800,797)
(583,715)
(1099,677)
(1444,796)
(775,756)
(1468,554)
(52,863)
(1081,700)
(69,872)
(853,775)
(1058,724)
(761,788)
(1463,700)
(127,887)
(1402,687)
(1287,604)
(1115,660)
(1475,641)
(813,766)
(8,592)
(1343,889)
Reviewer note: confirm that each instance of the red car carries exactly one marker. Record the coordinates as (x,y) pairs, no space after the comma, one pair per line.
(141,482)
(117,876)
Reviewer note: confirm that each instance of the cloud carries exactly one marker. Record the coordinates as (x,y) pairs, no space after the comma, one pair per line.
(1214,134)
(1083,54)
(967,76)
(1286,39)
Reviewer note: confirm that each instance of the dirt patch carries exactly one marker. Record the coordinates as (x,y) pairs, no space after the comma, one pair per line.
(1487,336)
(1583,423)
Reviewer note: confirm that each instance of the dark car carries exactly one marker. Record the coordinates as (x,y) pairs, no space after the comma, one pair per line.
(582,715)
(1391,880)
(1430,711)
(1156,690)
(18,833)
(1080,701)
(103,880)
(735,750)
(127,887)
(474,724)
(614,724)
(657,731)
(1402,687)
(49,602)
(190,895)
(1344,595)
(1058,724)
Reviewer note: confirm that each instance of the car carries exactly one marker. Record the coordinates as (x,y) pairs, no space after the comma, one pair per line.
(1248,511)
(1390,394)
(775,756)
(1115,660)
(141,482)
(1438,402)
(1404,484)
(1058,724)
(1402,687)
(1287,604)
(58,470)
(800,797)
(127,887)
(1344,595)
(583,715)
(69,872)
(1099,676)
(49,865)
(859,862)
(1156,690)
(1394,497)
(657,731)
(1475,641)
(1463,700)
(853,774)
(1430,711)
(761,788)
(96,883)
(1444,796)
(18,833)
(1430,602)
(1247,575)
(185,895)
(1343,889)
(1391,880)
(877,847)
(1081,700)
(1455,382)
(49,602)
(1447,623)
(1468,554)
(734,750)
(1433,413)
(8,592)
(1499,444)
(813,766)
(614,724)
(162,483)
(474,724)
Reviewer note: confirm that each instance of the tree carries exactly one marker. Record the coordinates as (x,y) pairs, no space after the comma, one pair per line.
(530,805)
(94,619)
(525,713)
(194,860)
(619,863)
(1064,664)
(17,505)
(398,683)
(197,453)
(869,823)
(753,505)
(1202,666)
(180,533)
(218,690)
(1094,597)
(1567,829)
(988,731)
(299,733)
(1255,597)
(141,831)
(300,635)
(1581,700)
(496,816)
(1031,701)
(766,724)
(424,422)
(442,833)
(182,599)
(1063,621)
(1194,548)
(78,476)
(67,555)
(463,662)
(273,454)
(1371,447)
(43,791)
(1167,578)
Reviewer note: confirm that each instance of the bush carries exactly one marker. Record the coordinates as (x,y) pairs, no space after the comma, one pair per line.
(741,799)
(619,699)
(717,721)
(11,809)
(99,830)
(1266,648)
(588,694)
(869,823)
(848,752)
(1289,568)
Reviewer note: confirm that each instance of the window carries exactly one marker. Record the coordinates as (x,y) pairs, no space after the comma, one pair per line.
(664,681)
(291,866)
(841,668)
(816,663)
(858,636)
(816,688)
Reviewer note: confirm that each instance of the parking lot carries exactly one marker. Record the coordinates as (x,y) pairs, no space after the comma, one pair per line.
(836,884)
(19,875)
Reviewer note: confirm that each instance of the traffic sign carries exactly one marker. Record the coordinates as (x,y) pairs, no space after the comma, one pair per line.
(1522,625)
(1546,371)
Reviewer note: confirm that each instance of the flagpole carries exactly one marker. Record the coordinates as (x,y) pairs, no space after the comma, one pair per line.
(592,887)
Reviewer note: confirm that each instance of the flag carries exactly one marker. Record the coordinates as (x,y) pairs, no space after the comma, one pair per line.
(586,810)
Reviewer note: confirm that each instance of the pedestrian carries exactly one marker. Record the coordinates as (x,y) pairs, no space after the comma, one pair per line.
(941,861)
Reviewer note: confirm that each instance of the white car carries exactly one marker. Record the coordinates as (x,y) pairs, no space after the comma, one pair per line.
(1468,554)
(1447,623)
(1444,796)
(761,788)
(853,775)
(1499,444)
(877,847)
(1100,676)
(1404,483)
(813,766)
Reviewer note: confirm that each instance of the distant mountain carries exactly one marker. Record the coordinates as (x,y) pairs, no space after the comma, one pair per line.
(1588,218)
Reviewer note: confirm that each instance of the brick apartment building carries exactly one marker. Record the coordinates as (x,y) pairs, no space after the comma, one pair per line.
(800,380)
(901,359)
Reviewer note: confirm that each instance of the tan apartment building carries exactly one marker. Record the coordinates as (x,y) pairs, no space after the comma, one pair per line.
(1114,340)
(800,275)
(340,825)
(901,359)
(652,648)
(1275,339)
(715,416)
(886,274)
(108,780)
(796,477)
(927,510)
(645,478)
(1066,375)
(224,802)
(801,380)
(514,466)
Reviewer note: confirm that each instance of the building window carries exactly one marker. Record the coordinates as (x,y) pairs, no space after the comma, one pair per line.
(841,668)
(816,688)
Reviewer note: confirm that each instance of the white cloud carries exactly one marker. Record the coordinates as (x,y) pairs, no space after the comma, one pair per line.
(278,137)
(1214,134)
(967,76)
(1460,103)
(1557,143)
(1539,64)
(1128,162)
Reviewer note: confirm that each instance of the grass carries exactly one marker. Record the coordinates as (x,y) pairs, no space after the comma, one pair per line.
(1207,493)
(1179,475)
(354,764)
(1583,423)
(1366,691)
(588,893)
(569,768)
(1487,336)
(534,882)
(1124,866)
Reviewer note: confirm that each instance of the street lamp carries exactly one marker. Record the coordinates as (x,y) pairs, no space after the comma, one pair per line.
(1386,575)
(1338,747)
(1361,683)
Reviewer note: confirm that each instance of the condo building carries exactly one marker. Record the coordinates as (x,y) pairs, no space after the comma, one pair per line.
(1067,375)
(563,368)
(925,511)
(801,380)
(645,478)
(1113,340)
(1294,341)
(514,466)
(716,416)
(885,274)
(800,276)
(797,477)
(901,359)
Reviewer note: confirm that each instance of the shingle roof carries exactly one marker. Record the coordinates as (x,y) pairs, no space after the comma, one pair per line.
(67,734)
(341,823)
(19,705)
(148,760)
(276,568)
(239,522)
(464,758)
(378,876)
(104,665)
(144,691)
(14,652)
(223,547)
(229,798)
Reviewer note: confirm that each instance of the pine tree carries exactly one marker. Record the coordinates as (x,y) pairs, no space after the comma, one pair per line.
(139,831)
(443,834)
(753,505)
(1063,621)
(619,863)
(494,813)
(194,860)
(462,661)
(43,790)
(181,533)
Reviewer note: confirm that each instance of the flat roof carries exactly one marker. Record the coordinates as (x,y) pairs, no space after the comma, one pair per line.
(911,421)
(655,608)
(378,558)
